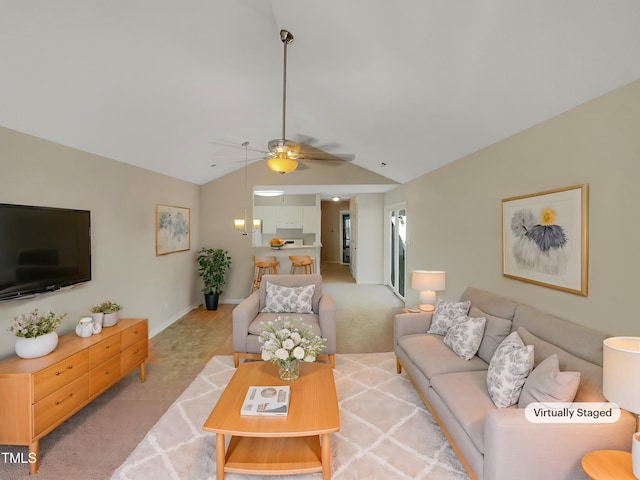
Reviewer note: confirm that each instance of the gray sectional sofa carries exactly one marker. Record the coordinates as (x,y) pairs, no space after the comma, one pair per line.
(500,443)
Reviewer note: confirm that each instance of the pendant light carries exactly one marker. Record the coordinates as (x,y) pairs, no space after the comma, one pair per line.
(240,224)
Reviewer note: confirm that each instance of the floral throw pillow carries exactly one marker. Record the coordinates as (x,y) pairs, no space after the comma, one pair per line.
(508,370)
(281,299)
(445,315)
(465,335)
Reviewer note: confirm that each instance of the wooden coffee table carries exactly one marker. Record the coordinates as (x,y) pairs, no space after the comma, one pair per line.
(297,443)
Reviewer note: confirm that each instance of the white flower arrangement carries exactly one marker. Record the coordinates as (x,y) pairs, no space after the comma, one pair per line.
(285,340)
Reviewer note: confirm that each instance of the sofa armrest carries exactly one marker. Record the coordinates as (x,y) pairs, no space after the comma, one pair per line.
(410,324)
(546,450)
(242,316)
(327,321)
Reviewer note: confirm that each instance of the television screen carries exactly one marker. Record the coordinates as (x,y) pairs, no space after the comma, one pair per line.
(42,249)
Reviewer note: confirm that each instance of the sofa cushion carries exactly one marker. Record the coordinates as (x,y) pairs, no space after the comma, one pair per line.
(546,383)
(465,395)
(281,299)
(508,370)
(445,315)
(590,388)
(578,340)
(465,335)
(432,357)
(495,331)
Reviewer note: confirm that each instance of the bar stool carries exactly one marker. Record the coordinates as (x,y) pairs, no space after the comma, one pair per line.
(302,263)
(261,266)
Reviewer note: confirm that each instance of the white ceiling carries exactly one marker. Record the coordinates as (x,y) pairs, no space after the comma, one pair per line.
(414,84)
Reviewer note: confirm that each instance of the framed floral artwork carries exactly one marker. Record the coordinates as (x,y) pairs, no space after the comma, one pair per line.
(173,229)
(545,238)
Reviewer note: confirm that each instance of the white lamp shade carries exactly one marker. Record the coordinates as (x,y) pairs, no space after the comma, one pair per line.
(621,372)
(428,280)
(238,223)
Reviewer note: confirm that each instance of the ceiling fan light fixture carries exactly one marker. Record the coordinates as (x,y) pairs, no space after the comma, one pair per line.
(282,164)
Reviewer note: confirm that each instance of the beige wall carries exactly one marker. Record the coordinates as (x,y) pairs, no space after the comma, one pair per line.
(122,201)
(454,213)
(330,227)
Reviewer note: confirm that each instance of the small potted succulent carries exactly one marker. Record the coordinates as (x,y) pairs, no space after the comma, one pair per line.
(35,333)
(110,313)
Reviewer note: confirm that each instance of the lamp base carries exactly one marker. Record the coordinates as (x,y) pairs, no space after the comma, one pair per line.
(427,300)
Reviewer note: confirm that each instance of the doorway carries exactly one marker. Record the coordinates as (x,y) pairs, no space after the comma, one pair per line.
(395,248)
(345,237)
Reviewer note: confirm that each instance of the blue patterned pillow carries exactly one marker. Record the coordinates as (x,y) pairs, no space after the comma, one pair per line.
(281,299)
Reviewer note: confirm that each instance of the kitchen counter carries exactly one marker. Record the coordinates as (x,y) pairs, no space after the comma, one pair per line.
(282,255)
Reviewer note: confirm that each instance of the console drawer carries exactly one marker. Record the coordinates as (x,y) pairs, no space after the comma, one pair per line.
(104,375)
(52,409)
(101,352)
(134,334)
(56,376)
(133,355)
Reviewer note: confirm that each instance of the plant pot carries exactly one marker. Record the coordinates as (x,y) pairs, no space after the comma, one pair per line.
(36,347)
(110,319)
(211,301)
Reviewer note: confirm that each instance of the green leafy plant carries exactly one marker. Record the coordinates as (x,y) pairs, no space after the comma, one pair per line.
(35,325)
(106,307)
(213,264)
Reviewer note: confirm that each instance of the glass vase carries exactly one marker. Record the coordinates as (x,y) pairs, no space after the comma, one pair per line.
(289,371)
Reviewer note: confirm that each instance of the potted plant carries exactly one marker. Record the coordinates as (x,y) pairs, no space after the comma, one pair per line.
(111,312)
(36,333)
(97,313)
(213,264)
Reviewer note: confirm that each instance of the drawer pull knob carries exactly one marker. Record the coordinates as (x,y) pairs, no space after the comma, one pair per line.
(60,401)
(68,368)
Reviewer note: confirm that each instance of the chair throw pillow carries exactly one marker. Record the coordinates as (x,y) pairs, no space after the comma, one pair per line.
(546,383)
(281,299)
(508,370)
(445,315)
(465,335)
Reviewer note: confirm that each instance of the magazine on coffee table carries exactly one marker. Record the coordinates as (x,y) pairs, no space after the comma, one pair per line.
(266,401)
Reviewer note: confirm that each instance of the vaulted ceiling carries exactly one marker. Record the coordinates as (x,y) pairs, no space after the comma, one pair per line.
(405,86)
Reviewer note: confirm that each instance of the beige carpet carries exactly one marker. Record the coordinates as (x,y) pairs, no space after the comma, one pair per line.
(386,432)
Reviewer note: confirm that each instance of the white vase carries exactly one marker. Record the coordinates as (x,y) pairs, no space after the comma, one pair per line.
(97,317)
(110,319)
(36,347)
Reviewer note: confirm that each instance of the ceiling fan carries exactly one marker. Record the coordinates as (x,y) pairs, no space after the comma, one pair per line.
(282,154)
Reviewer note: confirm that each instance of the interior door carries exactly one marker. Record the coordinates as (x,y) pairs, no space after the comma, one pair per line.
(395,251)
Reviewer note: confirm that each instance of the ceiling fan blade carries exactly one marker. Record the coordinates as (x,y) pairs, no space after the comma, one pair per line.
(231,144)
(338,157)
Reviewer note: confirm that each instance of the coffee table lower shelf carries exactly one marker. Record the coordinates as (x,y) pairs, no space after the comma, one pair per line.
(272,455)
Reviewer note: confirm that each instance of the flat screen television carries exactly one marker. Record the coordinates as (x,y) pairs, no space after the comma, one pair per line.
(42,249)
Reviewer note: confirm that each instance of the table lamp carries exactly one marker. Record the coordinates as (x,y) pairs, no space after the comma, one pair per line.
(428,282)
(621,382)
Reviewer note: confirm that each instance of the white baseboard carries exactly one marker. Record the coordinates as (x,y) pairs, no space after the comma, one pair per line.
(171,320)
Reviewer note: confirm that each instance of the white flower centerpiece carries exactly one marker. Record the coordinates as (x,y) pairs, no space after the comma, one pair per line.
(36,333)
(288,342)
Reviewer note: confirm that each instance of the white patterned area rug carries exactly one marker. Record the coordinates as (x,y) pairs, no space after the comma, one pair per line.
(385,430)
